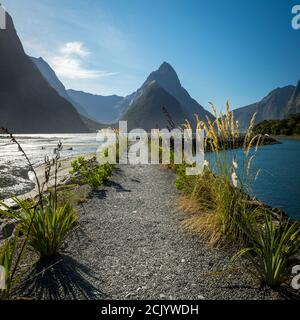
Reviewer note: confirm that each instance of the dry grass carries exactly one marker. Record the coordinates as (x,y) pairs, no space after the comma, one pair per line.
(189,205)
(219,203)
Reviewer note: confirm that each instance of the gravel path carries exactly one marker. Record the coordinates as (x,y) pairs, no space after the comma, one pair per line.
(131,246)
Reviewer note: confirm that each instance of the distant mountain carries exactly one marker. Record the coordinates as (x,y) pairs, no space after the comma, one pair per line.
(272,107)
(94,126)
(294,103)
(166,78)
(28,104)
(103,109)
(55,83)
(146,111)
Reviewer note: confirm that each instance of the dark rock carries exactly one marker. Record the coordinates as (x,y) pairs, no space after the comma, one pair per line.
(7,228)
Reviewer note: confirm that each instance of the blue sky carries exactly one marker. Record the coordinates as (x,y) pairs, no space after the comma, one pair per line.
(238,49)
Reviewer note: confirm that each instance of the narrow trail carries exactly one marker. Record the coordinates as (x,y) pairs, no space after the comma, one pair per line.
(131,245)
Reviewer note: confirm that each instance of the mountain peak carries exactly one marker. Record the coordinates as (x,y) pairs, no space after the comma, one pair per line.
(165,77)
(165,66)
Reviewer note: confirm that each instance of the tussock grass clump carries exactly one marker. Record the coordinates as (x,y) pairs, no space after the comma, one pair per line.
(221,191)
(219,210)
(222,210)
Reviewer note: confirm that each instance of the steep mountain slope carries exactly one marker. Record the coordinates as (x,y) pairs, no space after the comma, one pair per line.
(94,126)
(146,112)
(103,109)
(294,103)
(273,106)
(166,78)
(55,83)
(28,104)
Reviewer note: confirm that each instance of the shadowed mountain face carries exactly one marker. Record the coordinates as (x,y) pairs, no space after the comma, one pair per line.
(146,112)
(49,74)
(273,107)
(166,78)
(28,104)
(294,103)
(103,109)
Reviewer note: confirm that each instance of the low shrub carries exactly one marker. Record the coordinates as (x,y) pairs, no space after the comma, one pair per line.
(90,171)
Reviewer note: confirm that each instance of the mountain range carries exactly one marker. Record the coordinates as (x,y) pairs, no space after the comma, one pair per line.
(109,109)
(28,104)
(277,105)
(34,100)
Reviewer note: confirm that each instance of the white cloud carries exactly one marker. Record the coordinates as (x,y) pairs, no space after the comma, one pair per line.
(71,60)
(75,48)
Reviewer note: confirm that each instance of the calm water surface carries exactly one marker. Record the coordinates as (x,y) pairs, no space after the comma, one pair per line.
(278,183)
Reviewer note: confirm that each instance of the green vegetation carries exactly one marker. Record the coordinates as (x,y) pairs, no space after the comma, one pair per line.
(46,224)
(289,126)
(271,248)
(220,197)
(221,210)
(42,223)
(7,255)
(90,172)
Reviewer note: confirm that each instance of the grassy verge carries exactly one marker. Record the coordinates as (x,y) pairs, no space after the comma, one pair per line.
(221,210)
(44,223)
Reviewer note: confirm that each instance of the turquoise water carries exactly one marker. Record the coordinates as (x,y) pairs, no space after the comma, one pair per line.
(278,183)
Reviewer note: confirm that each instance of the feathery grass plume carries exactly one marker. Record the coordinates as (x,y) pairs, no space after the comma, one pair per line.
(233,129)
(249,132)
(187,125)
(222,196)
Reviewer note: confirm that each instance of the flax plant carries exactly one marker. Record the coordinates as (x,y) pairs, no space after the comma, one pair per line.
(42,223)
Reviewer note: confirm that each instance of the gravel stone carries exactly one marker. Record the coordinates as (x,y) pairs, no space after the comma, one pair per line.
(131,246)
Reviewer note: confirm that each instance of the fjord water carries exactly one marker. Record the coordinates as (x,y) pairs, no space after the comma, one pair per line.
(14,169)
(278,184)
(279,181)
